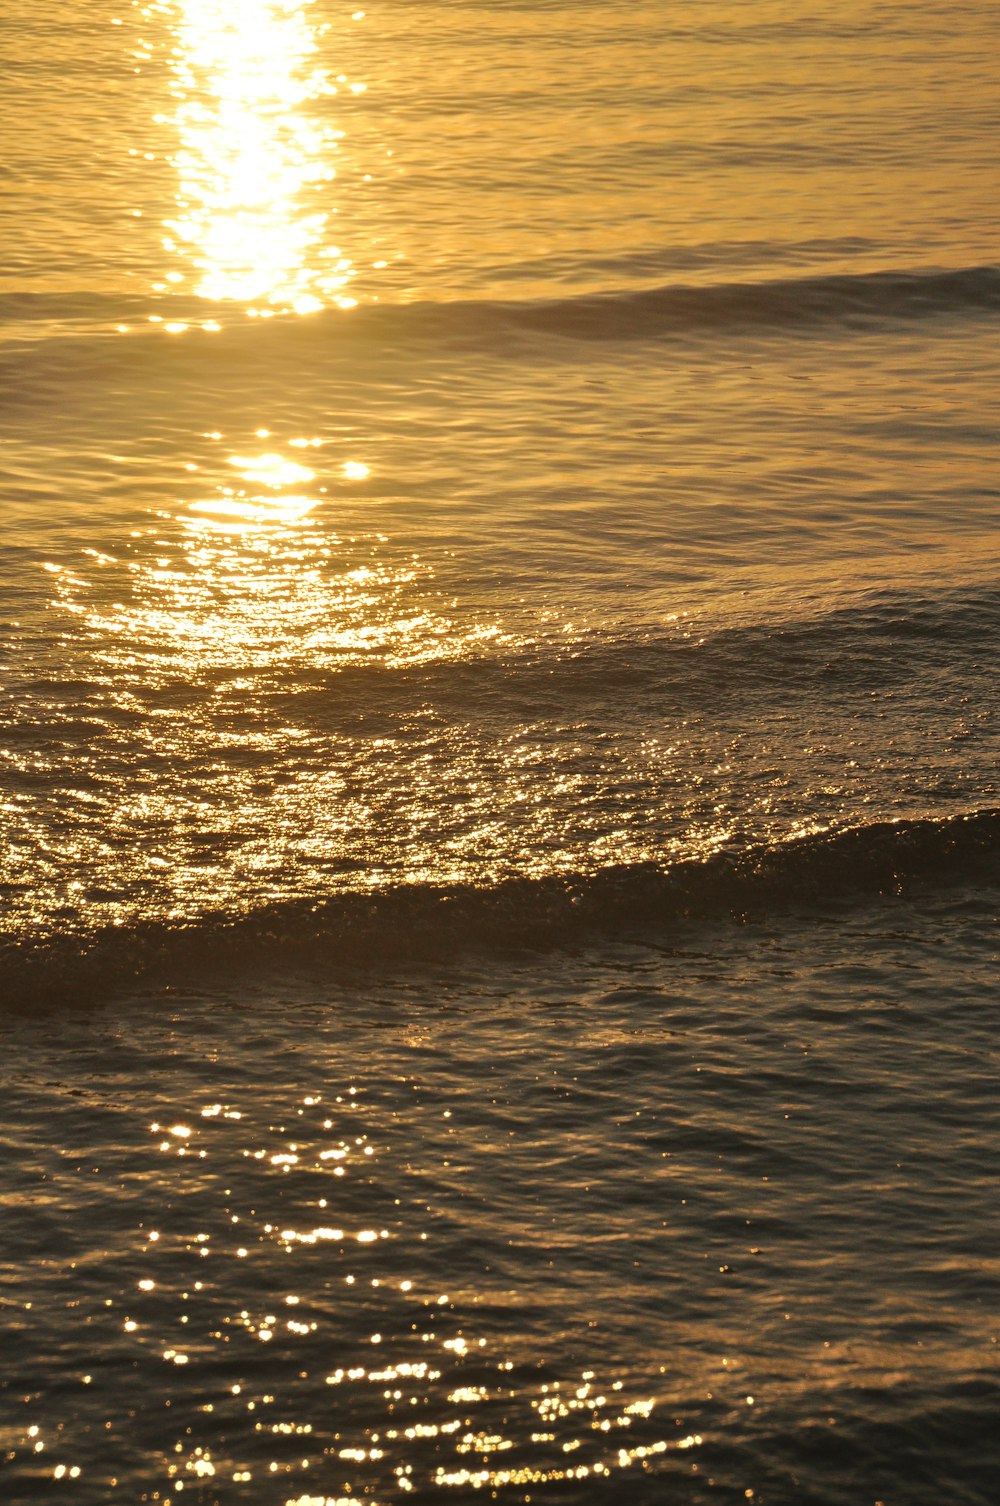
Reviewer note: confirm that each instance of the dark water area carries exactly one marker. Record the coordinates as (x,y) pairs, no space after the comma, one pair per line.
(499,617)
(685,1221)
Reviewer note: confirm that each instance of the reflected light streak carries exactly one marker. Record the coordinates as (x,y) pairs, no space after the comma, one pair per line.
(252,156)
(437,1408)
(271,469)
(231,514)
(245,579)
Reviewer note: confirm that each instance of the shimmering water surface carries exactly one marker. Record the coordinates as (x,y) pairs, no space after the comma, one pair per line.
(498,625)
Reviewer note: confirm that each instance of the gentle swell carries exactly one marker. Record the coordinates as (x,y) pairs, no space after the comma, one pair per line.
(845,300)
(425,922)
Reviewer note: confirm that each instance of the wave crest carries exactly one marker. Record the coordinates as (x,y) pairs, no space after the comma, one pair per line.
(432,923)
(846,300)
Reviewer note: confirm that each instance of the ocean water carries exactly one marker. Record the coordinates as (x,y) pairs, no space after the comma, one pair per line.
(499,613)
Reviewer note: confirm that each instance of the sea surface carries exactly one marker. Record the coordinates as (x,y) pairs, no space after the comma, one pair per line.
(499,624)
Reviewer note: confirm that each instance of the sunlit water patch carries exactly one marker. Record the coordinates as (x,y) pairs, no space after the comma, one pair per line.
(252,152)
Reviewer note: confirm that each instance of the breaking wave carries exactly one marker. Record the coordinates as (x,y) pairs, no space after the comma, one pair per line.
(434,923)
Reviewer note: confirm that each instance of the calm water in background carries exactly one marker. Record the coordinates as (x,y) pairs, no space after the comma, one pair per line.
(499,606)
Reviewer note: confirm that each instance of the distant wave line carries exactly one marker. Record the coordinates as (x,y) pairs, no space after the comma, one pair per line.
(848,300)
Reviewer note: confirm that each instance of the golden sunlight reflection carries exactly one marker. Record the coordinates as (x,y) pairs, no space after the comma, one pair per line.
(254,154)
(271,469)
(247,574)
(426,1394)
